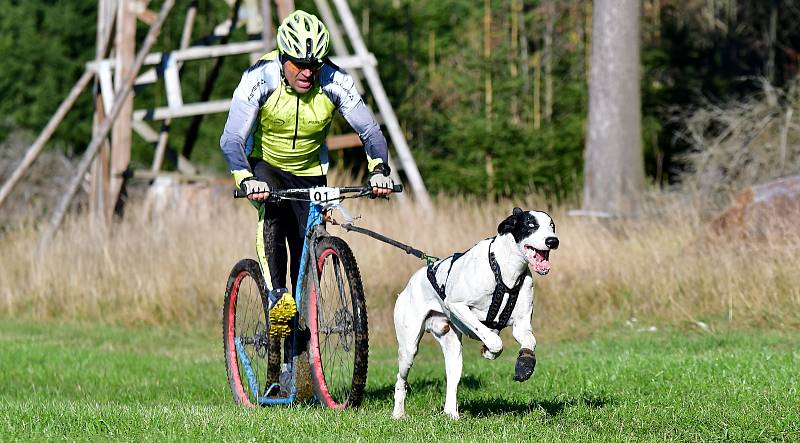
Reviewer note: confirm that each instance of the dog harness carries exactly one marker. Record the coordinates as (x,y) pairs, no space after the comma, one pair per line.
(493,321)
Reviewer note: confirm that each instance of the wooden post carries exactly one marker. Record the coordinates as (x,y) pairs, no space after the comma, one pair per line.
(267,36)
(36,148)
(285,7)
(98,194)
(121,134)
(98,191)
(339,47)
(97,139)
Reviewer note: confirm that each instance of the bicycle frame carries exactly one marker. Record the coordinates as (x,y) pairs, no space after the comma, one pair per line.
(315,229)
(314,219)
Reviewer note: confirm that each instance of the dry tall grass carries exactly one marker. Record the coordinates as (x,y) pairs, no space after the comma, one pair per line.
(662,268)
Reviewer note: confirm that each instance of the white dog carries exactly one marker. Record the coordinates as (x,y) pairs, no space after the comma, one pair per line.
(476,293)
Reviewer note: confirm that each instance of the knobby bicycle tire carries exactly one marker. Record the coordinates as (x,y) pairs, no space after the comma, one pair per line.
(336,313)
(244,317)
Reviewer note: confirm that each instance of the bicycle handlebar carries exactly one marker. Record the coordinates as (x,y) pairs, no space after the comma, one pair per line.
(278,194)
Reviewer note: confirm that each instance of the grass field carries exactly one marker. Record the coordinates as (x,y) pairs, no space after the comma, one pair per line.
(71,381)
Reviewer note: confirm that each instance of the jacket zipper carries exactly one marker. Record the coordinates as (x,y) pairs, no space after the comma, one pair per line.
(296,119)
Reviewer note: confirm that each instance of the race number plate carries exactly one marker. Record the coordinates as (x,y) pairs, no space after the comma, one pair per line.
(322,195)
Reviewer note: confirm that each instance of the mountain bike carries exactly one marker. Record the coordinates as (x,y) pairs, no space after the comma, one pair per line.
(325,352)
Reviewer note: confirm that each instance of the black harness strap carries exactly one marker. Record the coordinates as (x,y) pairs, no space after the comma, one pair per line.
(432,274)
(500,290)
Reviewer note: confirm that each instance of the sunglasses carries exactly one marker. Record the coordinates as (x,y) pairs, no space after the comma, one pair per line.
(313,66)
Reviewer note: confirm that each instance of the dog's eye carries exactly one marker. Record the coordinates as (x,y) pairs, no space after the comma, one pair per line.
(553,227)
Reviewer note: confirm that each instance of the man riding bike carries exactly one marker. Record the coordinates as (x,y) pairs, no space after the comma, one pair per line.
(274,138)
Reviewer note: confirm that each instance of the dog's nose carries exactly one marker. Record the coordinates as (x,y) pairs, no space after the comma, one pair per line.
(551,242)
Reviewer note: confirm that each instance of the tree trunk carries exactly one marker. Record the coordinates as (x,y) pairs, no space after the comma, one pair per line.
(613,169)
(547,59)
(514,40)
(487,57)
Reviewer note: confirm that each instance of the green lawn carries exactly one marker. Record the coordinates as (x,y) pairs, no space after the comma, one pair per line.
(90,382)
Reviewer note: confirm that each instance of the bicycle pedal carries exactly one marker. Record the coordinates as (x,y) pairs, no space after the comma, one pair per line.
(280,315)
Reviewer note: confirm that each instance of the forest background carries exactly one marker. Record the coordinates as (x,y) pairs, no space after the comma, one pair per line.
(492,95)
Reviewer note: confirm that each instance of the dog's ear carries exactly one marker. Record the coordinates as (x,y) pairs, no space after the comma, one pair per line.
(508,224)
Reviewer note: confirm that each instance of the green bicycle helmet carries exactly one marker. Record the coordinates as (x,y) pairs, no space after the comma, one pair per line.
(303,38)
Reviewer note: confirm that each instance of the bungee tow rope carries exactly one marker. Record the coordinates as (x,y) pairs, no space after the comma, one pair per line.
(350,227)
(429,259)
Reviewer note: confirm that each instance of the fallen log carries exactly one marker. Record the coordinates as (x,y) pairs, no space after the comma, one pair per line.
(762,210)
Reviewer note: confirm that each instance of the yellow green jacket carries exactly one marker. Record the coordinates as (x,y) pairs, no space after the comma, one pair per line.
(269,120)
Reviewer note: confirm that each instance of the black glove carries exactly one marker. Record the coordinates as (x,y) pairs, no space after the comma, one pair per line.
(379,177)
(526,361)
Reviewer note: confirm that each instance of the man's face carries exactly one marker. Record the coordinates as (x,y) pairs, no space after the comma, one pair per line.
(300,77)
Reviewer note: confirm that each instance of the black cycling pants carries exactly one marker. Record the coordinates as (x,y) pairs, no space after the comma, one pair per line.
(281,223)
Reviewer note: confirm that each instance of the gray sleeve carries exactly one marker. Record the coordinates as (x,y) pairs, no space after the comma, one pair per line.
(340,88)
(254,88)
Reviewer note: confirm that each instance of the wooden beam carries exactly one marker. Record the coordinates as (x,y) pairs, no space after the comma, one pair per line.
(121,132)
(103,100)
(36,148)
(196,53)
(344,141)
(147,16)
(99,178)
(267,36)
(204,52)
(144,130)
(172,83)
(285,7)
(189,110)
(105,128)
(139,7)
(339,46)
(106,81)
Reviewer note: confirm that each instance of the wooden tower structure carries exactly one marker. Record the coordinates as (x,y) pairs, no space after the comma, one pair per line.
(118,67)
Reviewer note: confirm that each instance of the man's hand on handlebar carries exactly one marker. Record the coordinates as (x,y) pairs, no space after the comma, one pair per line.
(380,181)
(255,189)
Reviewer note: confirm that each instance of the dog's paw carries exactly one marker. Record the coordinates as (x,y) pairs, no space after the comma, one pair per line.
(489,355)
(526,362)
(398,415)
(452,413)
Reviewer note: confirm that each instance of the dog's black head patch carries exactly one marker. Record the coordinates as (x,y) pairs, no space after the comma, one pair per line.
(520,224)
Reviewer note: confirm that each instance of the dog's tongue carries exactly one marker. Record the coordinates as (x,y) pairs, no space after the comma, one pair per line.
(538,260)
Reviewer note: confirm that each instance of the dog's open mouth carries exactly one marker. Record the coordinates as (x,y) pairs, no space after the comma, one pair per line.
(537,260)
